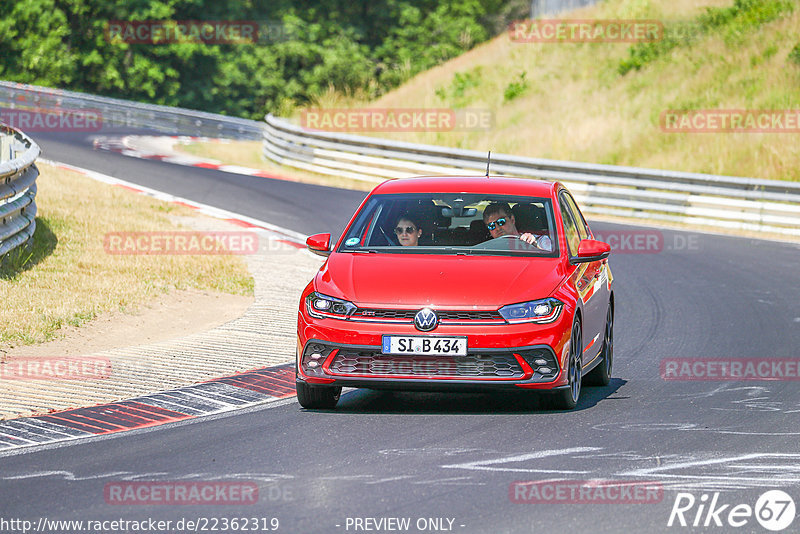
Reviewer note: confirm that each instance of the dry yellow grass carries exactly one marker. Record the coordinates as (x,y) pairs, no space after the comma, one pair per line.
(70,278)
(578,107)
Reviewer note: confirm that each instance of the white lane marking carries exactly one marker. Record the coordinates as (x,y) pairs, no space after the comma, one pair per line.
(756,467)
(752,391)
(236,169)
(489,465)
(153,476)
(40,426)
(179,160)
(224,413)
(454,451)
(145,476)
(684,427)
(344,477)
(65,475)
(452,481)
(630,456)
(389,479)
(16,438)
(661,471)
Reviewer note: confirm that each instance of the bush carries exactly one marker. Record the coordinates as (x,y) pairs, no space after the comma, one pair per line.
(515,88)
(457,92)
(734,21)
(794,55)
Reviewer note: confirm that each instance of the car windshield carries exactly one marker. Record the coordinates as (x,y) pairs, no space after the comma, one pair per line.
(453,223)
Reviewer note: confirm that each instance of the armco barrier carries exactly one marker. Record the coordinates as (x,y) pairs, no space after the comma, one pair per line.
(18,174)
(124,113)
(700,199)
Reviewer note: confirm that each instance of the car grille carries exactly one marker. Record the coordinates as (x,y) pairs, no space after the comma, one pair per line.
(501,365)
(446,316)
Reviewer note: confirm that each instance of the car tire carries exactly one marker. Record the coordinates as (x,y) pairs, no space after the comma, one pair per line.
(601,375)
(567,399)
(317,397)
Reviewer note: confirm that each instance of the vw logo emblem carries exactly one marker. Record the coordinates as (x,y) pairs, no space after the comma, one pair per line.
(426,320)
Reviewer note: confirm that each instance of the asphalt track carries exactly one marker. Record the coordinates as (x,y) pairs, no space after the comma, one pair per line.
(419,456)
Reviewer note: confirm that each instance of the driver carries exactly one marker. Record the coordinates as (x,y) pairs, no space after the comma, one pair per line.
(500,221)
(407,230)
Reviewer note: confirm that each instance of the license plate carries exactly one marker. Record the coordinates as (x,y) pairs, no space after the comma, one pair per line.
(428,346)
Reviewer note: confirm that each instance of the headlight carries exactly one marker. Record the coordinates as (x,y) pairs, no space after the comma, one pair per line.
(535,311)
(319,306)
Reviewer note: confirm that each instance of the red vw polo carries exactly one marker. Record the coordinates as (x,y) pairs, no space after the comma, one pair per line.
(458,283)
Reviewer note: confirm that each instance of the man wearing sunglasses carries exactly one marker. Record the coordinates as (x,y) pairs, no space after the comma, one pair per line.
(500,221)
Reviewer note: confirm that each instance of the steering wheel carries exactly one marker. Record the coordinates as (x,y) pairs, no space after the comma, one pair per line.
(502,245)
(388,239)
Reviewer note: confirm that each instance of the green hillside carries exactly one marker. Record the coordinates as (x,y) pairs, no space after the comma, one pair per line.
(601,102)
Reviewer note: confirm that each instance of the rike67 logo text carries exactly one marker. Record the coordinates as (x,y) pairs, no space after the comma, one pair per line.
(774,510)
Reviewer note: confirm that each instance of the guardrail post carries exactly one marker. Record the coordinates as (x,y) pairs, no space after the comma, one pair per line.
(5,149)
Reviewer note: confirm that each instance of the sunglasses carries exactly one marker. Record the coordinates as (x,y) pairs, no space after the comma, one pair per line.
(407,230)
(499,222)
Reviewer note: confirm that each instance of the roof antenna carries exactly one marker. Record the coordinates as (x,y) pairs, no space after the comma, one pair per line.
(488,161)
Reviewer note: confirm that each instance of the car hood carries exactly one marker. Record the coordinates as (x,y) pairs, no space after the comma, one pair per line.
(444,281)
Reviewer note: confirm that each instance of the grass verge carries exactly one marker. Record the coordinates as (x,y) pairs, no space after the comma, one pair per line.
(67,278)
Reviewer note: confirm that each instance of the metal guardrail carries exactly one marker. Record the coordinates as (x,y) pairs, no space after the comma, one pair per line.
(125,113)
(543,8)
(17,190)
(709,200)
(700,199)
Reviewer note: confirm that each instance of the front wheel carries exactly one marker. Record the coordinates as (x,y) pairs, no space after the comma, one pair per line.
(601,375)
(567,399)
(317,397)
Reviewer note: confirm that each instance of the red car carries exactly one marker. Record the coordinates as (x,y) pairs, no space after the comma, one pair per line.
(458,283)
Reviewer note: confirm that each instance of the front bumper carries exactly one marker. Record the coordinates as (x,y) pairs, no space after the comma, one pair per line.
(343,353)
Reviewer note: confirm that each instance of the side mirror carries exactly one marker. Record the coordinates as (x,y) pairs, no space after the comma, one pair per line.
(590,250)
(319,244)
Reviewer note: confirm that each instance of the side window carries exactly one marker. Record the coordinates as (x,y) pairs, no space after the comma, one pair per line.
(570,229)
(580,222)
